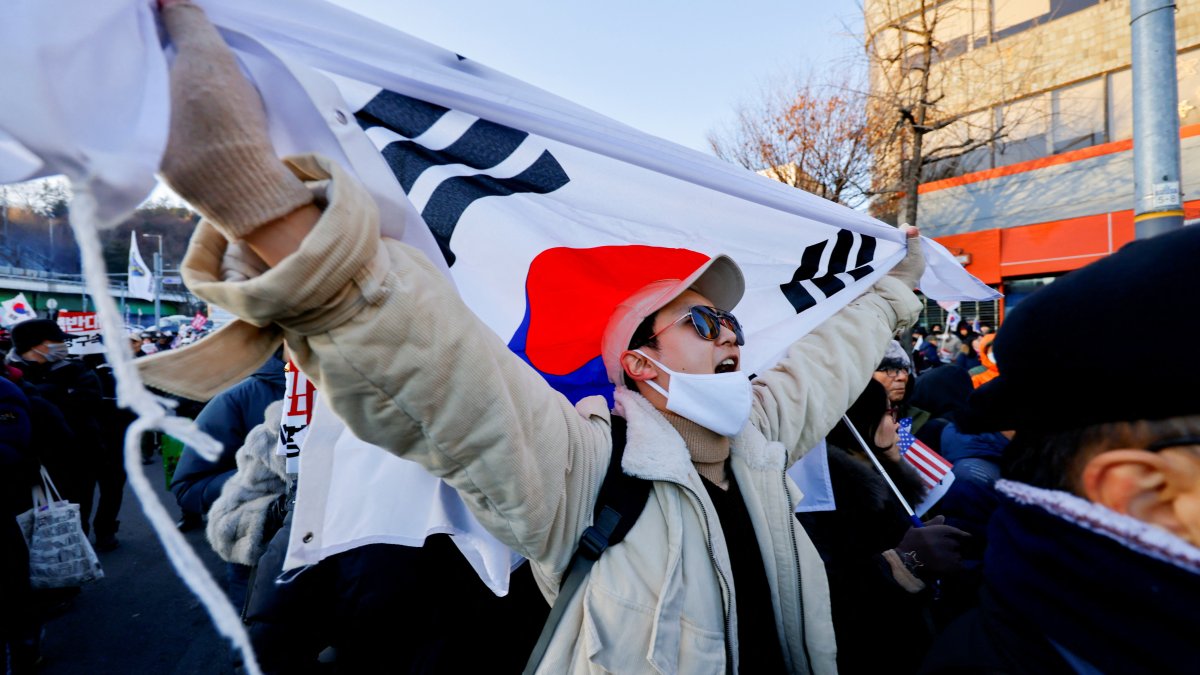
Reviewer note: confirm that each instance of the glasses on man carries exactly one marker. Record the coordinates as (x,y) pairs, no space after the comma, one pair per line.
(708,322)
(892,372)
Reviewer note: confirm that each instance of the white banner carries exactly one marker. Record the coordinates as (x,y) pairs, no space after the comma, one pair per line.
(84,327)
(299,399)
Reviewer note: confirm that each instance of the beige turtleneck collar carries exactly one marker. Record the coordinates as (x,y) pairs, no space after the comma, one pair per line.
(708,449)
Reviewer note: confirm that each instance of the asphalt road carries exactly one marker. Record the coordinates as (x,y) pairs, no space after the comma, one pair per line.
(140,618)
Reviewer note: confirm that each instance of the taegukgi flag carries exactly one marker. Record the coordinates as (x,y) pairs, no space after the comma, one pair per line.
(141,281)
(15,310)
(543,213)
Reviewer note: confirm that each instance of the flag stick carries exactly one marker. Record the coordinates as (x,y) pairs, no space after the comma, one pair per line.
(875,460)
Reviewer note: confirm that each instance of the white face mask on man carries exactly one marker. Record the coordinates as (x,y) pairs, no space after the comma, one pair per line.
(719,402)
(55,352)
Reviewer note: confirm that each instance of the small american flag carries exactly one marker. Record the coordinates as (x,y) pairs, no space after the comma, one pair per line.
(932,466)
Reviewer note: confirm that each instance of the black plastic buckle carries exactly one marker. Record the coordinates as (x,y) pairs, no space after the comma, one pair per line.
(592,543)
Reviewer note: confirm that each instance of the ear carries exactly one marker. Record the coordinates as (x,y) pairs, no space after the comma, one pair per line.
(1137,483)
(638,367)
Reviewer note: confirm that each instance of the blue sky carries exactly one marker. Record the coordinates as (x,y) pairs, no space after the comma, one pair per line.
(673,68)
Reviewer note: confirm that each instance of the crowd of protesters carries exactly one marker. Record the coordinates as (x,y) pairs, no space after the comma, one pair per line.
(60,413)
(662,534)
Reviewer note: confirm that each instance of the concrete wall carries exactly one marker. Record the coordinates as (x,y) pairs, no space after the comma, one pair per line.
(1100,184)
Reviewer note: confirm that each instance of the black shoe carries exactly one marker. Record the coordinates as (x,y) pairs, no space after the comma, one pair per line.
(106,543)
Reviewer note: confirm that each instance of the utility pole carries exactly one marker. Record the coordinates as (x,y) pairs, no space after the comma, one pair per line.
(1158,206)
(158,274)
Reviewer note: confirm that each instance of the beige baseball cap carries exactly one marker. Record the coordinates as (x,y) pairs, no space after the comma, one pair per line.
(719,280)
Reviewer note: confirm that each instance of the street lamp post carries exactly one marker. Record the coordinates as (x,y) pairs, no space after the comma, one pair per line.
(1157,200)
(158,263)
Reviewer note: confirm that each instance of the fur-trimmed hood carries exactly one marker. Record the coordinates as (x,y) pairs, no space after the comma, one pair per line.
(238,518)
(1125,530)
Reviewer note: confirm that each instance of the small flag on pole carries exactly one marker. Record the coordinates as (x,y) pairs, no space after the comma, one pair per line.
(935,470)
(199,321)
(15,311)
(141,282)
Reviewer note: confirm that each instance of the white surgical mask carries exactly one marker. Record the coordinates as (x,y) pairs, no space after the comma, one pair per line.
(719,402)
(56,351)
(53,352)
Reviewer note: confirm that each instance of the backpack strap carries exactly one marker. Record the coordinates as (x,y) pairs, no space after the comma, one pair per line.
(618,506)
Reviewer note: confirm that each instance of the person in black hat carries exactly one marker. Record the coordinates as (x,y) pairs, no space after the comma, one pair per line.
(924,351)
(1093,558)
(166,338)
(40,351)
(38,341)
(149,343)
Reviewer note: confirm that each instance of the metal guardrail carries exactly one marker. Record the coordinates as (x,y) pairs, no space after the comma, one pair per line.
(25,279)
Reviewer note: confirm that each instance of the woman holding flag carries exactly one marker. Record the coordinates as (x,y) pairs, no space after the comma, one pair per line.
(881,567)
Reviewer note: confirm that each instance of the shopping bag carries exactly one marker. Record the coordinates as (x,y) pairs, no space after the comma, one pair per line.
(59,552)
(25,520)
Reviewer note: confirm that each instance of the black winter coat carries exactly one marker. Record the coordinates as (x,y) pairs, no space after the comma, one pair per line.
(880,627)
(18,465)
(74,388)
(417,609)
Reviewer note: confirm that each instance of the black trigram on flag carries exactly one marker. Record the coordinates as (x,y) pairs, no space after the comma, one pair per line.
(481,146)
(822,263)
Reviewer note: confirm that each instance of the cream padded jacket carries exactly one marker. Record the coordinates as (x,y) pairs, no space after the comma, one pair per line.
(408,367)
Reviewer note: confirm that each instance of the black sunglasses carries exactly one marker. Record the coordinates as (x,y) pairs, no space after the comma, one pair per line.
(708,321)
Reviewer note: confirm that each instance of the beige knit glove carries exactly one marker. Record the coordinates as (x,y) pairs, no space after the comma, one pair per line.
(912,266)
(218,155)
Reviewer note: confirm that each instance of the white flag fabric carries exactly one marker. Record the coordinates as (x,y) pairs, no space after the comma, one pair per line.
(811,475)
(15,310)
(527,201)
(352,493)
(141,280)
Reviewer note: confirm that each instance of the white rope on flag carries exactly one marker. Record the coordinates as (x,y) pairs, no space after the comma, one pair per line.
(152,414)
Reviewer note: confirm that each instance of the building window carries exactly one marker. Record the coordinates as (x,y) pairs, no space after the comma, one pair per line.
(1025,127)
(1016,290)
(969,132)
(1010,14)
(1120,105)
(1010,17)
(1188,71)
(1120,96)
(1077,116)
(960,26)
